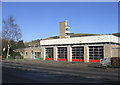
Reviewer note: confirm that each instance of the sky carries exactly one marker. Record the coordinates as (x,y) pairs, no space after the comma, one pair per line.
(39,20)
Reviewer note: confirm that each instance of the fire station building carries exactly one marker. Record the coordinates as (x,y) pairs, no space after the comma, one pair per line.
(79,49)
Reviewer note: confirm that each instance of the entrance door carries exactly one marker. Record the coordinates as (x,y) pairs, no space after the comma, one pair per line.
(95,53)
(78,54)
(49,54)
(62,53)
(37,55)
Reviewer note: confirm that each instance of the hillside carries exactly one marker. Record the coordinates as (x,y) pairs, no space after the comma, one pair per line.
(32,43)
(80,35)
(37,42)
(117,34)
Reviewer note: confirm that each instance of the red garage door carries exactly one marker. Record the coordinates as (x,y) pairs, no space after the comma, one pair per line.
(49,54)
(62,53)
(78,54)
(95,53)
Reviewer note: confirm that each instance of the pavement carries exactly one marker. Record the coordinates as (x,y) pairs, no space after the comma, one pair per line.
(39,71)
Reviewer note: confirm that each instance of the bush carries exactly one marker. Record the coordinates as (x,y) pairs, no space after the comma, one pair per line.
(109,65)
(12,55)
(18,57)
(41,58)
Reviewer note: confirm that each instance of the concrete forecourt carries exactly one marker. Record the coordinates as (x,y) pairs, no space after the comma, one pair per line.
(40,71)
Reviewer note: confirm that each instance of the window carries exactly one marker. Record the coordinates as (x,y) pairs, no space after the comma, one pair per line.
(26,53)
(37,54)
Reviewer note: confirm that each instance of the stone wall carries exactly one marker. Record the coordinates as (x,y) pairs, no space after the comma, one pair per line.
(115,61)
(0,57)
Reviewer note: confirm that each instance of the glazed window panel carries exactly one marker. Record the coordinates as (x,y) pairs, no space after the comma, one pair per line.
(95,52)
(26,53)
(49,52)
(62,52)
(77,52)
(37,53)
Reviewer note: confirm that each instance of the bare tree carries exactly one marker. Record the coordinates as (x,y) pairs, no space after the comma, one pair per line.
(11,31)
(0,43)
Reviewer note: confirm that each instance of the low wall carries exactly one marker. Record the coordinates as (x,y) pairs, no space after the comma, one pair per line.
(115,61)
(0,57)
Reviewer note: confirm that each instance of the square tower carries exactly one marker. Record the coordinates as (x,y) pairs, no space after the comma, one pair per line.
(63,30)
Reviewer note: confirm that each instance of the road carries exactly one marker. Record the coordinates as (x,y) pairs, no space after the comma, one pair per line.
(55,72)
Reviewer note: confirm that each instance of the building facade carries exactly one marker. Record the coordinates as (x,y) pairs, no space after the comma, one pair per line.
(30,52)
(82,49)
(78,49)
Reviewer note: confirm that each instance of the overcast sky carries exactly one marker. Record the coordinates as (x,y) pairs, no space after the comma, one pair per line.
(39,20)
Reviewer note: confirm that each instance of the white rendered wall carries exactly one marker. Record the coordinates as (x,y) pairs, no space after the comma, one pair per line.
(86,39)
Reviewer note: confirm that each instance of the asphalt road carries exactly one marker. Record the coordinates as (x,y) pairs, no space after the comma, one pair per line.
(55,72)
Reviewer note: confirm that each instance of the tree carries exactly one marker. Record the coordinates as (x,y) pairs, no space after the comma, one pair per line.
(20,44)
(11,31)
(0,45)
(0,49)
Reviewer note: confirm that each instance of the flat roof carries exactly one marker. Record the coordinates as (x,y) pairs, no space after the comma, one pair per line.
(84,39)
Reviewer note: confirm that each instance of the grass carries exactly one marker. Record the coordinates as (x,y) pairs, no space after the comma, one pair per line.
(108,66)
